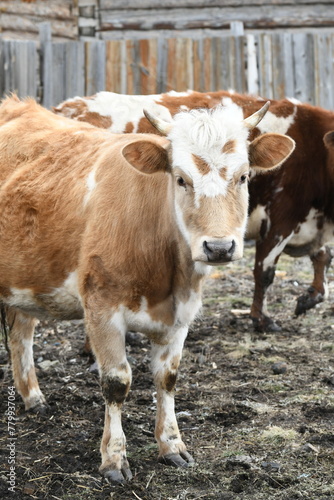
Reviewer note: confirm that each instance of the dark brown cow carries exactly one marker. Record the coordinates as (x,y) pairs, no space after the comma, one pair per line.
(120,230)
(291,211)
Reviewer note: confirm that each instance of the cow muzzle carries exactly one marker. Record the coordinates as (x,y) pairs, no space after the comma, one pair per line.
(218,252)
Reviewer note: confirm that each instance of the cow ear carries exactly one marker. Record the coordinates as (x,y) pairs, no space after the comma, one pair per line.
(269,151)
(329,139)
(147,156)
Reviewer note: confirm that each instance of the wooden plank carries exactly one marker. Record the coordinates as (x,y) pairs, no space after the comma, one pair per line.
(171,64)
(252,69)
(74,69)
(130,86)
(265,66)
(95,66)
(113,66)
(304,66)
(148,65)
(324,73)
(198,58)
(207,64)
(2,67)
(225,82)
(266,16)
(156,4)
(58,72)
(57,9)
(162,65)
(20,68)
(27,24)
(26,66)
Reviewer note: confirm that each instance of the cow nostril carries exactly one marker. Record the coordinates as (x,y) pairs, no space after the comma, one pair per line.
(217,251)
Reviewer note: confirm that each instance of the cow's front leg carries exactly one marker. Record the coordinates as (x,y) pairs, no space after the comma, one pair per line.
(21,336)
(165,362)
(318,291)
(107,339)
(266,259)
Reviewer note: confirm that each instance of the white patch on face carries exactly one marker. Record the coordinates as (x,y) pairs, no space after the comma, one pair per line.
(275,124)
(124,109)
(203,133)
(255,220)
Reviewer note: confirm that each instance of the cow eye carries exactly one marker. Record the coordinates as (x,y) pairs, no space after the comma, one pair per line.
(181,182)
(244,178)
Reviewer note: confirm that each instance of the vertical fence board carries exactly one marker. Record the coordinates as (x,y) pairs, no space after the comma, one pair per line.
(75,69)
(162,65)
(224,80)
(252,69)
(324,74)
(265,66)
(95,66)
(304,66)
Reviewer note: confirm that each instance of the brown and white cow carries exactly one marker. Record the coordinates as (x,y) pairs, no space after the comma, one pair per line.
(291,210)
(121,230)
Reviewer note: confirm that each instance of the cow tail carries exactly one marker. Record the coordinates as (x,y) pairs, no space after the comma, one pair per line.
(4,327)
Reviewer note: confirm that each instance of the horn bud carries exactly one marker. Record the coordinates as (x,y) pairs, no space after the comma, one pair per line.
(256,117)
(161,125)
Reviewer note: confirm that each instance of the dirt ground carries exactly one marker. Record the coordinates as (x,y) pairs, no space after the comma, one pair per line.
(256,410)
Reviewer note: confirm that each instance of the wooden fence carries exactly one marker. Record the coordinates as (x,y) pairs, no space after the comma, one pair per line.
(273,64)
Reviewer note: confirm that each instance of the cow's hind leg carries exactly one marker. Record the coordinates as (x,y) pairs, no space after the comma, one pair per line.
(318,291)
(107,339)
(165,362)
(21,335)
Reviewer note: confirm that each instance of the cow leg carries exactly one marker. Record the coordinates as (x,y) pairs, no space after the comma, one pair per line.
(264,272)
(165,362)
(21,336)
(318,291)
(108,343)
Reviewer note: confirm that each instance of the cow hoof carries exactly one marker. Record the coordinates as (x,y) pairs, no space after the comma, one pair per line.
(183,459)
(40,409)
(307,301)
(117,476)
(265,324)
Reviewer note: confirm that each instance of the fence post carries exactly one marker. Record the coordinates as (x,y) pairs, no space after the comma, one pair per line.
(45,38)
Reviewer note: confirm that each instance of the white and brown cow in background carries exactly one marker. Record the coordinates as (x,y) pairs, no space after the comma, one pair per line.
(291,210)
(120,230)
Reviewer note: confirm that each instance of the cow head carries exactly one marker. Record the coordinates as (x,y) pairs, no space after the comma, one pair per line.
(211,160)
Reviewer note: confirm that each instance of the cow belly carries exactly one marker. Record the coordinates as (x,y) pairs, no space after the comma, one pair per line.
(61,303)
(308,237)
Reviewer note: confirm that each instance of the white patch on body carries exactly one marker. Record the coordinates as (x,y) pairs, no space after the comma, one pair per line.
(91,185)
(124,109)
(269,261)
(276,124)
(308,232)
(255,220)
